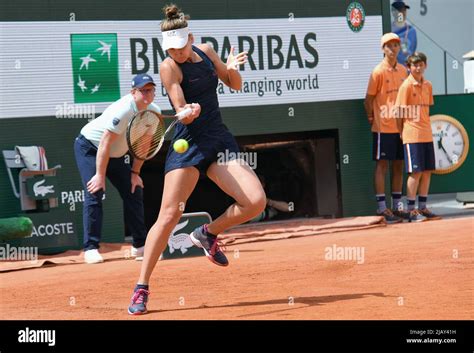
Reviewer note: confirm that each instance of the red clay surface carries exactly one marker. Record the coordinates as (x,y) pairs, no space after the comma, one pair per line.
(410,271)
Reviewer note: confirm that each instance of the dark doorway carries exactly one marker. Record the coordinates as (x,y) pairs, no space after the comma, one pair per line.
(301,169)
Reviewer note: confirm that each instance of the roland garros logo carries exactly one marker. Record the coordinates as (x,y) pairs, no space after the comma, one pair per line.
(355,16)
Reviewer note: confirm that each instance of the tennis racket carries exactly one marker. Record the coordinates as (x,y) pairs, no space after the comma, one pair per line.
(147,131)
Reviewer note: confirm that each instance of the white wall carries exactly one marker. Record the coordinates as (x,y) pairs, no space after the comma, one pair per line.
(451,24)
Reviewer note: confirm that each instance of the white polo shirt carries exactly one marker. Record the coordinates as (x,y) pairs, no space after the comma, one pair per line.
(115,119)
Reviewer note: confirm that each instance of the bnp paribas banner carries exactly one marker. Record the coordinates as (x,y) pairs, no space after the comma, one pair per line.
(66,65)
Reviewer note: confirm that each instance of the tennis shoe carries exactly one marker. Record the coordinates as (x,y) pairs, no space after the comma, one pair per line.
(137,253)
(416,216)
(430,216)
(92,256)
(390,218)
(138,302)
(210,245)
(404,215)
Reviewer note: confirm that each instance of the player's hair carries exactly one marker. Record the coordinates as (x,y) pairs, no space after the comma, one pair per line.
(174,18)
(415,58)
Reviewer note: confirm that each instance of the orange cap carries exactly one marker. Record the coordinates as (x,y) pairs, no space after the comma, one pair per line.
(387,37)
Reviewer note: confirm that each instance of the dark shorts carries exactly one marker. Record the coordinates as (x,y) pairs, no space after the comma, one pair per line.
(419,157)
(386,146)
(205,148)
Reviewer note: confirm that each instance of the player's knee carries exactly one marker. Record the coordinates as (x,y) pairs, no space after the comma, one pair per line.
(134,199)
(93,199)
(137,193)
(258,202)
(398,166)
(382,166)
(171,215)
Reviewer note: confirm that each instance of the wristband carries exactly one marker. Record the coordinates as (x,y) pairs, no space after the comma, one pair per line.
(134,172)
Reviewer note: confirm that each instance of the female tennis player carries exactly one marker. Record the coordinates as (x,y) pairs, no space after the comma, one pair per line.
(190,76)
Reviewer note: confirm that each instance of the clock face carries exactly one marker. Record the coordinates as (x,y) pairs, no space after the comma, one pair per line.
(449,143)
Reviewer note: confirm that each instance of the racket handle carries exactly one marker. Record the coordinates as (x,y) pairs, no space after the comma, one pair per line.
(184,113)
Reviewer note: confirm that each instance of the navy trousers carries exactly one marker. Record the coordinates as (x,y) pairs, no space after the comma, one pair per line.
(119,174)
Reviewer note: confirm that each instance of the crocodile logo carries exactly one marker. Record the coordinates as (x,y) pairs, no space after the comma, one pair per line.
(40,189)
(180,241)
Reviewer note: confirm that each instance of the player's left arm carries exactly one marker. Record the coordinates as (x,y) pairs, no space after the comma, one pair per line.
(135,179)
(137,163)
(228,72)
(279,205)
(431,95)
(369,107)
(373,88)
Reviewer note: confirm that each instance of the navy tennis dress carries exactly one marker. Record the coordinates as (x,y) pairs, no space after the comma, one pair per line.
(207,135)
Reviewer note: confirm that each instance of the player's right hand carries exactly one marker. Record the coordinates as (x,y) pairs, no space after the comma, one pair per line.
(96,183)
(196,110)
(370,119)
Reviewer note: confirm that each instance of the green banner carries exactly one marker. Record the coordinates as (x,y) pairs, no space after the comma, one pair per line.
(95,67)
(53,231)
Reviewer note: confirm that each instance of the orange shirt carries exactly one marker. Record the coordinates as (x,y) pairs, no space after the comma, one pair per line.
(384,83)
(414,100)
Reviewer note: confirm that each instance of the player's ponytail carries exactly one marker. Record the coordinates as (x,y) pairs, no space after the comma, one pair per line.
(174,18)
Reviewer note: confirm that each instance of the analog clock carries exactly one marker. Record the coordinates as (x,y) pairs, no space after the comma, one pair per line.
(451,143)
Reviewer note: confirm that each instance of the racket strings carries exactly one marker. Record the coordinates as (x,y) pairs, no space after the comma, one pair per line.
(146,134)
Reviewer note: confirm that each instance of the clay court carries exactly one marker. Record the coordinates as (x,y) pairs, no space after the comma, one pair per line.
(409,272)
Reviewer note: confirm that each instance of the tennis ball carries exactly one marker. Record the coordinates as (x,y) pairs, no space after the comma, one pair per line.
(181,146)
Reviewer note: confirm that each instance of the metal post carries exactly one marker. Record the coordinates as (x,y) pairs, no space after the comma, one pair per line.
(445,72)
